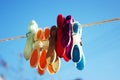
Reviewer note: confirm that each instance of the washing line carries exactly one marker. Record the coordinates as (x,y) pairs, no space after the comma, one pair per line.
(100,22)
(84,25)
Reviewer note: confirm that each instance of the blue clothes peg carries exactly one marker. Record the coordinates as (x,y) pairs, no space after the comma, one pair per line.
(76,52)
(80,65)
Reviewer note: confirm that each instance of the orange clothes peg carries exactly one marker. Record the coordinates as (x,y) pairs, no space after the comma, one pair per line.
(36,48)
(34,58)
(40,71)
(42,60)
(42,63)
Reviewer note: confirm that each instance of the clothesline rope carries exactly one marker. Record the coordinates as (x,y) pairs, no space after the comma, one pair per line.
(12,38)
(84,25)
(100,22)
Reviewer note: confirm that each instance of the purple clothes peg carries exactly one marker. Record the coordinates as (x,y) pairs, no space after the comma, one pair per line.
(68,49)
(67,31)
(67,40)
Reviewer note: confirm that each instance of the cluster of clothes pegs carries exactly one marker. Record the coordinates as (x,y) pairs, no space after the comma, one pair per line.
(45,47)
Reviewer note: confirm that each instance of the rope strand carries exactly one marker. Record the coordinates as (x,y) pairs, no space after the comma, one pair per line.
(100,22)
(12,38)
(84,25)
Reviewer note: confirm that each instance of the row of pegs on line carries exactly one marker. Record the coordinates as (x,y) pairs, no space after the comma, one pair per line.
(45,47)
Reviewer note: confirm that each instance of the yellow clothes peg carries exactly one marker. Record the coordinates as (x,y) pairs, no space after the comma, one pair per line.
(55,66)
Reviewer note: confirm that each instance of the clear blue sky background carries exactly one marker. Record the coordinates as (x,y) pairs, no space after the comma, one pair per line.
(101,43)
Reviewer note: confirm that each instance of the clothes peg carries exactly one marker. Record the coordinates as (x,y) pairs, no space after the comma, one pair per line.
(37,49)
(67,55)
(51,53)
(40,71)
(38,57)
(67,40)
(42,63)
(60,50)
(55,66)
(32,29)
(81,64)
(42,59)
(53,60)
(76,52)
(67,30)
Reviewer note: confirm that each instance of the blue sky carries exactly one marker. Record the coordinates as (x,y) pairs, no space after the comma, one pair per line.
(101,43)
